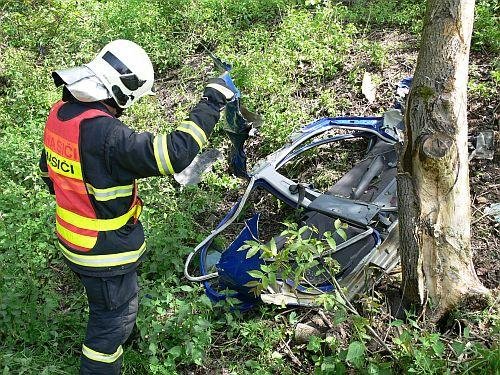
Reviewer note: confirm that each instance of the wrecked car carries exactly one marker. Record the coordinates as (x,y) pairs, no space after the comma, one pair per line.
(364,199)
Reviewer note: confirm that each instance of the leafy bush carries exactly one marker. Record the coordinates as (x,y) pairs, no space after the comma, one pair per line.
(299,256)
(486,34)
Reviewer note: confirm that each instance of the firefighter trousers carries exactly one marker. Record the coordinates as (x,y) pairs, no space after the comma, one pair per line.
(113,305)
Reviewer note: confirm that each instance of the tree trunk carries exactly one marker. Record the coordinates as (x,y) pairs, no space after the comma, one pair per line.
(433,175)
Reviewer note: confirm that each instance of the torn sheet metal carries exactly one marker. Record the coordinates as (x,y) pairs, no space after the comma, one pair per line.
(240,124)
(203,162)
(493,210)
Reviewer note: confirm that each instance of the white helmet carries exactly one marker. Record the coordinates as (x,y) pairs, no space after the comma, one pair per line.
(122,71)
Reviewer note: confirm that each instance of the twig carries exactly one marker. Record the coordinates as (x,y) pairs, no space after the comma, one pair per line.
(479,337)
(225,345)
(325,318)
(494,305)
(292,356)
(479,219)
(354,311)
(286,311)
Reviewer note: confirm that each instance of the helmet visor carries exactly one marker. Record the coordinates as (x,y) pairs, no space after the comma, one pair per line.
(131,81)
(71,75)
(121,98)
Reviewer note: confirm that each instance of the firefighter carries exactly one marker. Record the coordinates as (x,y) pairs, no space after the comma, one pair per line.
(91,162)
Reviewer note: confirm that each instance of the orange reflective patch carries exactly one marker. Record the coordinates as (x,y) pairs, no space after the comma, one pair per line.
(61,146)
(69,184)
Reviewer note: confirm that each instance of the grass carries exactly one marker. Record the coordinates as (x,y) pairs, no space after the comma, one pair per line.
(286,56)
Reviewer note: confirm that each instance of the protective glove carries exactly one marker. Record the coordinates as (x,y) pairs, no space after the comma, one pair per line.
(237,129)
(225,85)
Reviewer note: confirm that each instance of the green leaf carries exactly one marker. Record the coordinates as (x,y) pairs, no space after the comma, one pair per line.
(276,355)
(272,278)
(337,224)
(355,354)
(256,274)
(274,249)
(397,341)
(244,247)
(253,250)
(175,351)
(314,344)
(248,244)
(396,323)
(186,288)
(458,347)
(466,332)
(152,348)
(331,243)
(438,348)
(342,234)
(339,316)
(265,282)
(252,284)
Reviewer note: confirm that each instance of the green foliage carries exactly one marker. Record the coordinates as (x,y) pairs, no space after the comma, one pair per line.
(373,14)
(422,351)
(35,294)
(482,86)
(486,34)
(377,52)
(175,326)
(289,62)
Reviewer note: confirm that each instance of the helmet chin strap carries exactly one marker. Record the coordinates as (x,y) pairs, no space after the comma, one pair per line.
(113,107)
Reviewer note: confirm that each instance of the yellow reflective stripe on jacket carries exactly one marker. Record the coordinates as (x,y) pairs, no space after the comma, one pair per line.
(81,240)
(108,194)
(98,224)
(101,357)
(195,131)
(44,174)
(161,155)
(63,166)
(106,260)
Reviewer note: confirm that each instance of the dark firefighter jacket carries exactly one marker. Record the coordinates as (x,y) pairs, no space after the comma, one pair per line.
(97,207)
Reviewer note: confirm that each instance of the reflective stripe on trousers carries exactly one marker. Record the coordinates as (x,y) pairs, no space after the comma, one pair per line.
(101,357)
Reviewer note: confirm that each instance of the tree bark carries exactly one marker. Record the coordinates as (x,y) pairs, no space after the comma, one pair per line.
(433,174)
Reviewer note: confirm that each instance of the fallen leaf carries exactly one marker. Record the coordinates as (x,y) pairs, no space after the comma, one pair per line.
(368,88)
(481,271)
(482,200)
